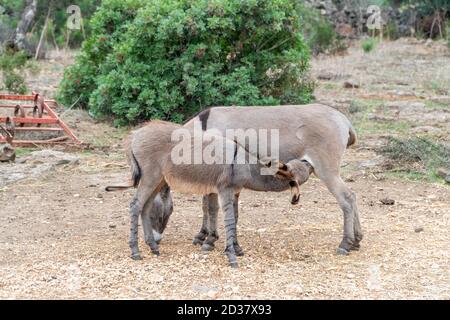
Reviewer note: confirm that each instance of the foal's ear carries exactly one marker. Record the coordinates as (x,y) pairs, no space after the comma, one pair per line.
(282,166)
(283,171)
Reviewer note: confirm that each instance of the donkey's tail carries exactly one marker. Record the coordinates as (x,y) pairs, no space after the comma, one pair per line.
(135,174)
(352,137)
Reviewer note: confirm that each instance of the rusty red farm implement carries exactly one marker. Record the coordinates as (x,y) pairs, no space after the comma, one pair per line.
(32,113)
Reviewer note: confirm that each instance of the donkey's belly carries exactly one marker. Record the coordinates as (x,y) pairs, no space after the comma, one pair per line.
(189,187)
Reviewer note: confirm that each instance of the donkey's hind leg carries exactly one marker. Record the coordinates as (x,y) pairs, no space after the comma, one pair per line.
(226,202)
(328,172)
(237,247)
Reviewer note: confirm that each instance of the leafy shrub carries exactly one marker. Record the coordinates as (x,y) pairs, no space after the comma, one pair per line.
(179,56)
(12,65)
(448,34)
(368,44)
(319,32)
(108,25)
(391,31)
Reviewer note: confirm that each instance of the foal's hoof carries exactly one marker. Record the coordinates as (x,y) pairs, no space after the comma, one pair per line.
(197,241)
(136,257)
(342,251)
(156,253)
(234,265)
(239,252)
(207,247)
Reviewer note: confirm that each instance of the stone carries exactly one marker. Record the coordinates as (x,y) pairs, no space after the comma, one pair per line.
(7,153)
(387,201)
(377,161)
(351,84)
(418,229)
(440,99)
(444,174)
(425,129)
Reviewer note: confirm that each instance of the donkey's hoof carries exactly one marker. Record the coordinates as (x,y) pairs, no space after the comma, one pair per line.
(355,247)
(156,252)
(136,257)
(207,247)
(342,251)
(197,241)
(234,265)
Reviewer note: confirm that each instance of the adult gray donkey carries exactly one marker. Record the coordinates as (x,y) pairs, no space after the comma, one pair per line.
(316,133)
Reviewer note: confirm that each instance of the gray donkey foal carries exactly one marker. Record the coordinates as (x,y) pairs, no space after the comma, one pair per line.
(153,166)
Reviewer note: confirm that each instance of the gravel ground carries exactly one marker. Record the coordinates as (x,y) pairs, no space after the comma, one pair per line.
(75,246)
(62,236)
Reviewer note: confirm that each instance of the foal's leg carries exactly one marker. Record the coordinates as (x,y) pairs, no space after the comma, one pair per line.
(146,191)
(226,202)
(213,235)
(237,247)
(203,233)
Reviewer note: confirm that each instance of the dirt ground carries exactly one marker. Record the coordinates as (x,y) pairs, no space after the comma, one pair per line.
(62,236)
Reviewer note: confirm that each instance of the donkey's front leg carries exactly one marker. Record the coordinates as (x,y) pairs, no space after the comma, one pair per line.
(226,202)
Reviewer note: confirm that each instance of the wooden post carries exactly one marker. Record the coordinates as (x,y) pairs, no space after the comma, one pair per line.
(41,39)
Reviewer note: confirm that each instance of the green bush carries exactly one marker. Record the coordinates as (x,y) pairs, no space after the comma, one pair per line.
(368,44)
(448,34)
(175,57)
(12,65)
(108,25)
(319,32)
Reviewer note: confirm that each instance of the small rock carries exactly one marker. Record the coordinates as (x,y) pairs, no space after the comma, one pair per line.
(387,201)
(349,84)
(213,293)
(7,153)
(425,129)
(441,99)
(377,161)
(417,105)
(443,173)
(200,288)
(350,276)
(261,230)
(325,75)
(99,195)
(76,195)
(418,229)
(112,226)
(62,162)
(376,117)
